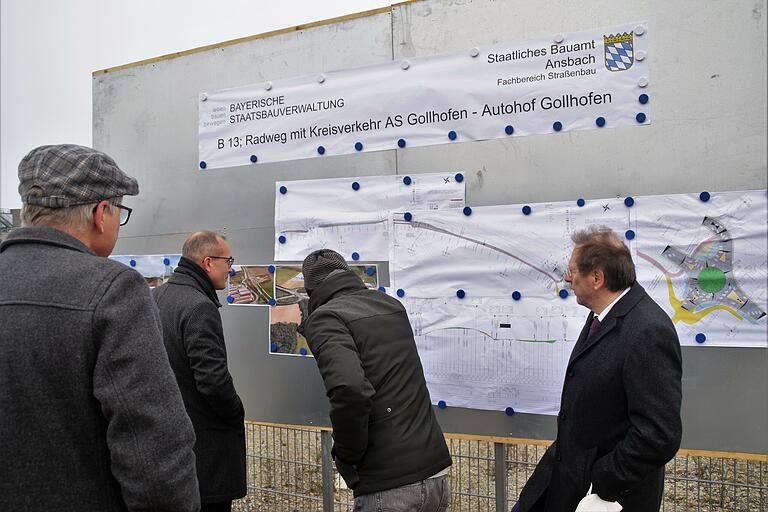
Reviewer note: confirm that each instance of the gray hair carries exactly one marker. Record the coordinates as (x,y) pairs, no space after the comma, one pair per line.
(201,244)
(74,217)
(598,247)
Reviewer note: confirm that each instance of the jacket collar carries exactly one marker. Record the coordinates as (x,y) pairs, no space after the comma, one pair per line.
(44,236)
(619,310)
(188,273)
(339,283)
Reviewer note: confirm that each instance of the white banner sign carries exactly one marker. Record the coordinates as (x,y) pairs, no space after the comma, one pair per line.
(577,81)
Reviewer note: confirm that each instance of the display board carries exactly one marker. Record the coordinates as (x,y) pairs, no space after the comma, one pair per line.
(707,133)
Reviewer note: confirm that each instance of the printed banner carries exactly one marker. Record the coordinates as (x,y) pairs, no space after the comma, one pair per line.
(595,79)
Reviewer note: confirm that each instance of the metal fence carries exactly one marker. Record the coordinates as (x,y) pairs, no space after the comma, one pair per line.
(290,470)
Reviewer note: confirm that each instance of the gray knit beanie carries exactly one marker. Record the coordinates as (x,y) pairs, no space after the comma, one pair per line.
(318,265)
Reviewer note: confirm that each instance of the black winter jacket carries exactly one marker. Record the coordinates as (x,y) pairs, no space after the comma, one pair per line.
(384,429)
(194,340)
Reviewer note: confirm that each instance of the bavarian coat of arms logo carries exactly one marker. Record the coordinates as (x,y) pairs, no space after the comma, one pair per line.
(619,54)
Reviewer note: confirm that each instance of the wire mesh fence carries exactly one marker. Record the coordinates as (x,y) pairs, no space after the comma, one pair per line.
(289,470)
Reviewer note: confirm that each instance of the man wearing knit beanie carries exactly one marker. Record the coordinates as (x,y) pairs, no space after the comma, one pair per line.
(318,265)
(388,446)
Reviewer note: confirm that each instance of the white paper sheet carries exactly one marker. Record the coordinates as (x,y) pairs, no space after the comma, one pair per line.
(330,213)
(705,263)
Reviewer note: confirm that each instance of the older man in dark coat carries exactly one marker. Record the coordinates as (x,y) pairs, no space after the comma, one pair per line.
(619,420)
(91,418)
(194,339)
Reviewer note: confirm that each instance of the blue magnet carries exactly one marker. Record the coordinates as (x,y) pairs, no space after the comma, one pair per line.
(355,185)
(557,126)
(400,292)
(600,121)
(271,269)
(630,235)
(459,177)
(640,118)
(401,143)
(704,196)
(407,180)
(271,301)
(526,210)
(358,146)
(320,150)
(581,202)
(629,201)
(232,273)
(281,239)
(133,263)
(166,261)
(701,337)
(441,404)
(643,98)
(254,159)
(355,256)
(408,216)
(273,347)
(283,189)
(509,129)
(370,271)
(382,289)
(509,411)
(303,351)
(460,293)
(230,299)
(452,135)
(203,165)
(563,293)
(467,211)
(516,295)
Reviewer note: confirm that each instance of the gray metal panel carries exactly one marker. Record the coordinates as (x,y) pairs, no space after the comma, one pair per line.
(146,118)
(708,131)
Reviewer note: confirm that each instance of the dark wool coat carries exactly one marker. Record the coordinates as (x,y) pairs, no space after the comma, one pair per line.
(91,418)
(619,420)
(194,339)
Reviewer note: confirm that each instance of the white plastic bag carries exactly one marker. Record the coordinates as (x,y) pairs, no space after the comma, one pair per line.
(593,503)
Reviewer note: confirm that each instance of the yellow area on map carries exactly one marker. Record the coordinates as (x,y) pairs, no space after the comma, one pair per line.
(689,317)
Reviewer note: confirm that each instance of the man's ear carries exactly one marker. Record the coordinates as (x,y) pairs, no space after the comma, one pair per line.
(598,277)
(98,216)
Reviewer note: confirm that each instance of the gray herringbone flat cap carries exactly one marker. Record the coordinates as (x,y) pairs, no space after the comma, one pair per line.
(69,175)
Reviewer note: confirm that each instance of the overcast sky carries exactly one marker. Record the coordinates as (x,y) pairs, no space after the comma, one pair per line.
(49,48)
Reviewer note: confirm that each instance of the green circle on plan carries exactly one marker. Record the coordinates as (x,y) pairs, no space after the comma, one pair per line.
(712,279)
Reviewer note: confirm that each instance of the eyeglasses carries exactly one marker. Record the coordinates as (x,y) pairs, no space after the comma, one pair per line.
(230,259)
(569,272)
(125,212)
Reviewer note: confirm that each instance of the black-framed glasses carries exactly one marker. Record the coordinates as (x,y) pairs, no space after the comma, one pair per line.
(125,212)
(230,259)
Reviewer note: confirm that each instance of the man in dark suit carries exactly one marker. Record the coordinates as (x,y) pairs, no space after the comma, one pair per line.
(194,340)
(619,420)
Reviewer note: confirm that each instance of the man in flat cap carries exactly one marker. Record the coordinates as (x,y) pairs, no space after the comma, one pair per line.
(388,446)
(91,418)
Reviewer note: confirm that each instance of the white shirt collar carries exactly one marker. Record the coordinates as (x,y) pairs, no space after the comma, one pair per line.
(604,313)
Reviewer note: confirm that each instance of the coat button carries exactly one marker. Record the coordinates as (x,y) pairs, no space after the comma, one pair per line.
(558,457)
(562,416)
(389,409)
(570,373)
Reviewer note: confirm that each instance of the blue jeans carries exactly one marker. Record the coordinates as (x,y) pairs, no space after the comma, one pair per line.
(431,495)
